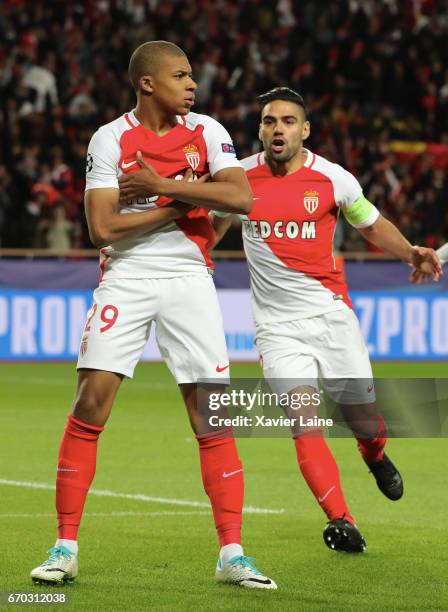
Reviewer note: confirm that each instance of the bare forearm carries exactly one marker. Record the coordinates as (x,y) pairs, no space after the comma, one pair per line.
(116,226)
(220,225)
(136,224)
(220,195)
(387,237)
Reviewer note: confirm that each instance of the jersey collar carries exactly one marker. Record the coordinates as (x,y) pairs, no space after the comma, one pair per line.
(135,122)
(132,118)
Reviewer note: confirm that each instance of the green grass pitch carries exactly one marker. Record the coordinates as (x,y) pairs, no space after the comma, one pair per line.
(154,554)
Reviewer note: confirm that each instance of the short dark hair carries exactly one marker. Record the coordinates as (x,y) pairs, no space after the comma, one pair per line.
(281,93)
(147,57)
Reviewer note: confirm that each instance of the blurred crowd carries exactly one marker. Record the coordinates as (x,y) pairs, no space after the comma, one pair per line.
(372,72)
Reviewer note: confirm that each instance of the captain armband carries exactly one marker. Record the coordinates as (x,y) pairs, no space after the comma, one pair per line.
(361,213)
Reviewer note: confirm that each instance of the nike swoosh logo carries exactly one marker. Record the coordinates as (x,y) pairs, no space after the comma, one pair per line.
(218,369)
(228,474)
(255,198)
(124,165)
(321,499)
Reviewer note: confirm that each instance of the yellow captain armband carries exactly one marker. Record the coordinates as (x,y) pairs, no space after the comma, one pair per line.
(361,213)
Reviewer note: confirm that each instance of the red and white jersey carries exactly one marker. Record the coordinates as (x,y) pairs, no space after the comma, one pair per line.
(181,247)
(288,238)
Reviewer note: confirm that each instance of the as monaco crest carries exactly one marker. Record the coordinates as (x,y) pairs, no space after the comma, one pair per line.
(192,155)
(311,201)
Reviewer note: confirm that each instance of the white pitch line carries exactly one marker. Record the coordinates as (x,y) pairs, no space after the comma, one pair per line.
(110,514)
(40,380)
(137,497)
(34,380)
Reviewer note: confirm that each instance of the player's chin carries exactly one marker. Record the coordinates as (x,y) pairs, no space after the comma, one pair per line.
(183,109)
(282,156)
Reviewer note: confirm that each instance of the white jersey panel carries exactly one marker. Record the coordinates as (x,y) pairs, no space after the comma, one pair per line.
(220,149)
(164,253)
(280,293)
(346,187)
(252,161)
(103,155)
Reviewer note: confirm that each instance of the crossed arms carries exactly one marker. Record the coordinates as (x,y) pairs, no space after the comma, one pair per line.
(228,191)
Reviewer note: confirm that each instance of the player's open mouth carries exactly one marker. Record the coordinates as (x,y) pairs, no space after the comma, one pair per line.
(189,101)
(278,145)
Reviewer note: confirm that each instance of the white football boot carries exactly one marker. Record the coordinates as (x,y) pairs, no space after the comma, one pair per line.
(241,571)
(61,566)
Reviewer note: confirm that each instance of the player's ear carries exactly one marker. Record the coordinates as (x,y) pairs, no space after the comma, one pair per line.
(259,131)
(306,128)
(146,84)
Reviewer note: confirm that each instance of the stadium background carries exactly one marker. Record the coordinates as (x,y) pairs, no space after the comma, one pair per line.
(375,78)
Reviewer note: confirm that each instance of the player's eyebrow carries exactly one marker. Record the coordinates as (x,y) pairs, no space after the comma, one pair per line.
(284,117)
(182,73)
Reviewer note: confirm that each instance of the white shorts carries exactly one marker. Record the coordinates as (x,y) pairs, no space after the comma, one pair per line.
(329,347)
(189,327)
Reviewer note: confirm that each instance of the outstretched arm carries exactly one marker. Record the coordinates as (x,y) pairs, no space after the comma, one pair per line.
(387,237)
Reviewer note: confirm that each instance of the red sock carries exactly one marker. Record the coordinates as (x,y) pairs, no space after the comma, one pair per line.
(222,476)
(76,469)
(321,473)
(372,449)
